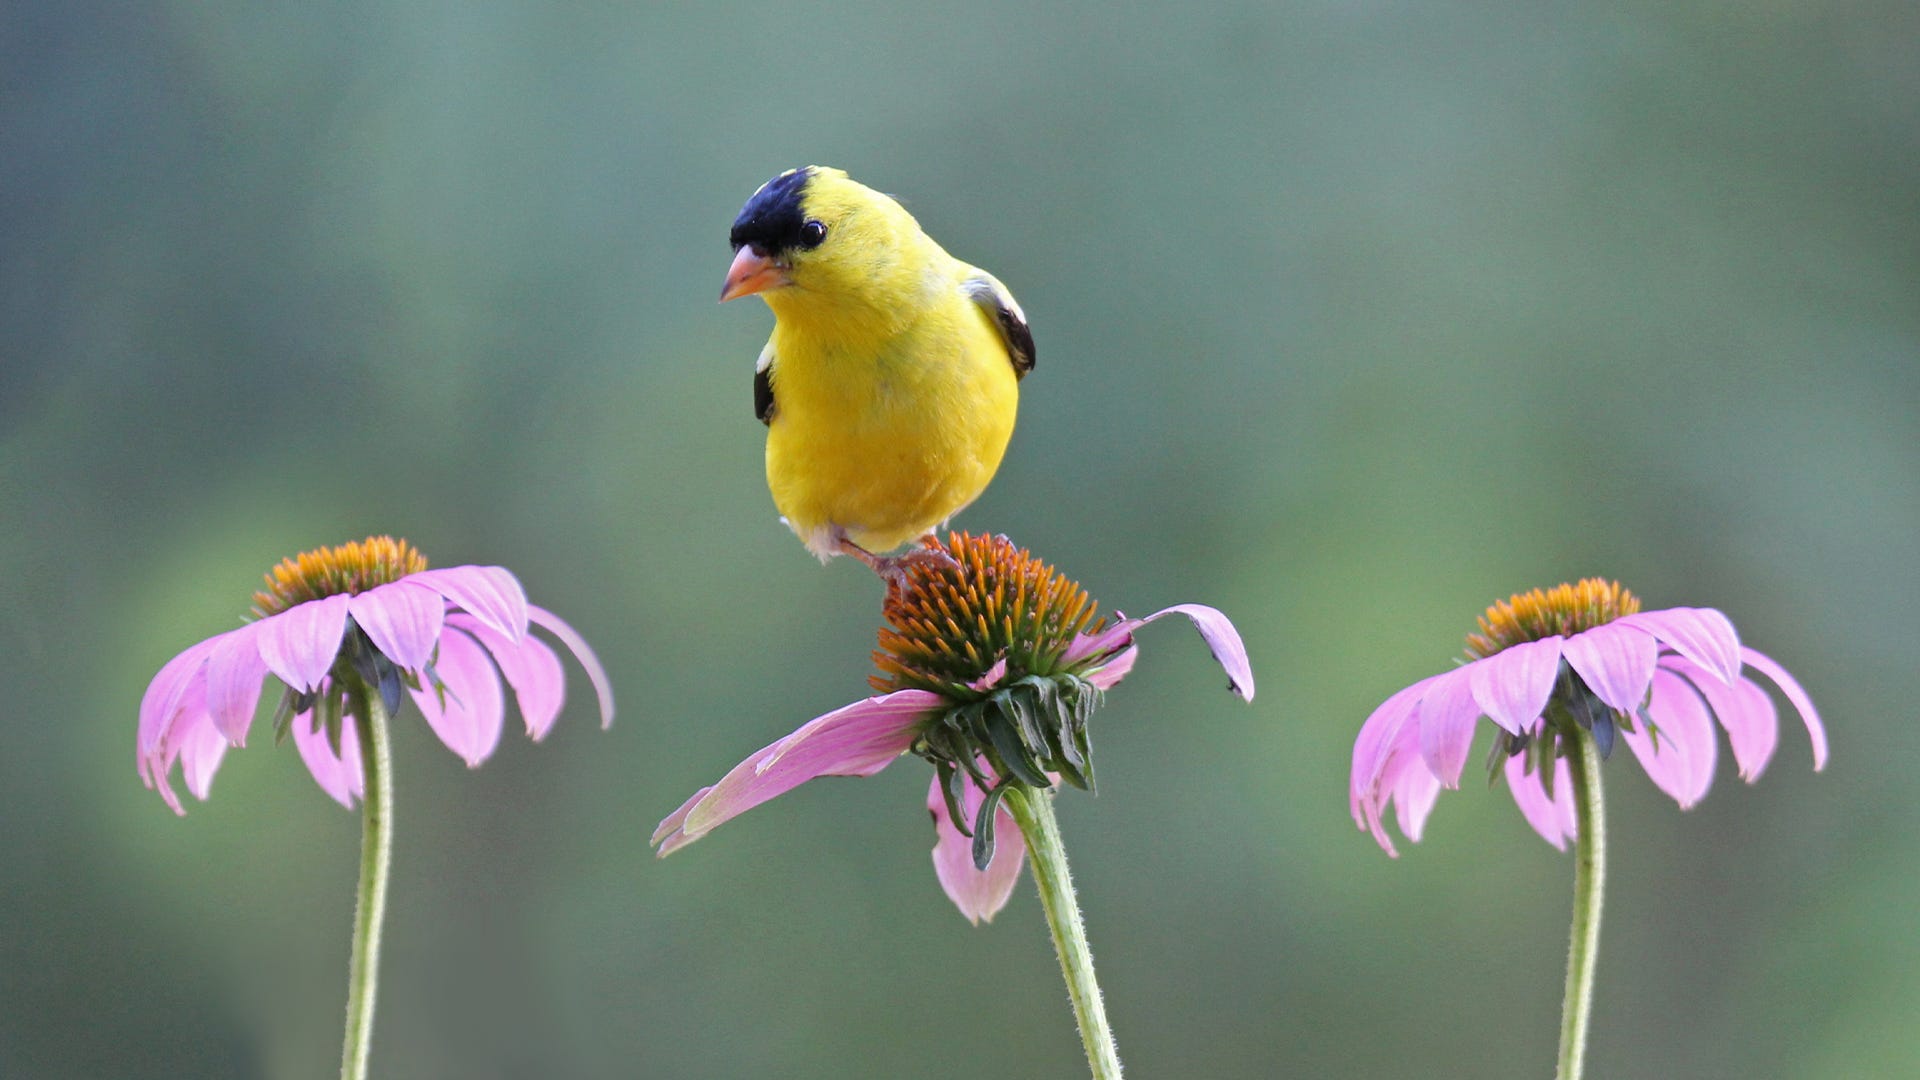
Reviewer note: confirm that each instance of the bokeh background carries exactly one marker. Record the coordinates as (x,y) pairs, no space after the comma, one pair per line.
(1352,317)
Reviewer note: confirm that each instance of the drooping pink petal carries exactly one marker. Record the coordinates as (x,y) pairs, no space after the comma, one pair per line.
(1615,661)
(1816,731)
(530,667)
(234,674)
(577,645)
(1743,709)
(1702,635)
(856,740)
(1109,674)
(474,711)
(1110,640)
(1680,759)
(185,725)
(979,894)
(1448,713)
(672,823)
(1215,629)
(1383,742)
(162,698)
(1553,818)
(300,644)
(402,619)
(1376,737)
(1512,685)
(1414,793)
(1405,779)
(488,593)
(340,777)
(202,745)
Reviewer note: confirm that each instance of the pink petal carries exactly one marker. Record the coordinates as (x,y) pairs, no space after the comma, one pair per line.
(488,593)
(162,699)
(1382,744)
(1448,714)
(201,748)
(1414,793)
(1215,629)
(1512,685)
(1615,661)
(1702,635)
(1790,686)
(470,721)
(340,777)
(1109,674)
(857,740)
(1112,639)
(994,676)
(402,619)
(1743,709)
(531,668)
(672,823)
(979,894)
(185,727)
(1552,818)
(299,644)
(234,674)
(577,645)
(1377,735)
(1681,762)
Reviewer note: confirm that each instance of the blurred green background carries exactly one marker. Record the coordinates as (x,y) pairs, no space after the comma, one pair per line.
(1352,317)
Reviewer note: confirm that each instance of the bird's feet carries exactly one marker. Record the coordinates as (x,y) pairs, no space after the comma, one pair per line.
(893,568)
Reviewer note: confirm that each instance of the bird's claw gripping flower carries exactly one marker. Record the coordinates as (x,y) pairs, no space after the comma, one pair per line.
(989,669)
(362,618)
(1582,656)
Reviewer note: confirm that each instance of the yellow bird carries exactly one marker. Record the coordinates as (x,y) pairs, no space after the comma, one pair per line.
(891,380)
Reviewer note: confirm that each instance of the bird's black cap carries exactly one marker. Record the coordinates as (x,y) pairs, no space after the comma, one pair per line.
(772,220)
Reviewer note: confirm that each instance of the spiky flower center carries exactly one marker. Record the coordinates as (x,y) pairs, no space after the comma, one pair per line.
(988,632)
(947,625)
(330,571)
(1542,613)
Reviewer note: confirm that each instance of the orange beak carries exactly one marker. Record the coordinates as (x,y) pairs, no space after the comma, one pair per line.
(752,272)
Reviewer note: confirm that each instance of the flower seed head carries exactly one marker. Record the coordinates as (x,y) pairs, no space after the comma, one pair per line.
(948,625)
(349,568)
(989,632)
(1563,610)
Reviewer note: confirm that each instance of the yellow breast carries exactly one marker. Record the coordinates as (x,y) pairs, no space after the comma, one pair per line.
(883,440)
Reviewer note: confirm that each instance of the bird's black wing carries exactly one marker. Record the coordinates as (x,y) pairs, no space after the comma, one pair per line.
(763,385)
(984,289)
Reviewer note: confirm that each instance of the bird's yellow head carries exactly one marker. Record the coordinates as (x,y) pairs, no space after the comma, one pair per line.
(813,237)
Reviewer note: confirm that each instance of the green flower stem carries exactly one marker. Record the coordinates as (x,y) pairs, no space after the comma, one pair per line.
(1033,810)
(376,855)
(1589,881)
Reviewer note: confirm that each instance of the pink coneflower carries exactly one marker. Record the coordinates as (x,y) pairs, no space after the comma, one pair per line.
(1562,673)
(991,665)
(989,672)
(362,615)
(1587,653)
(346,629)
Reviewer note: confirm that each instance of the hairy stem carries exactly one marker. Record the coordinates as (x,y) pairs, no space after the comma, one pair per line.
(1033,810)
(1589,880)
(376,855)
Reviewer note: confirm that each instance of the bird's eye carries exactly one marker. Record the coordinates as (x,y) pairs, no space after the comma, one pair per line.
(812,234)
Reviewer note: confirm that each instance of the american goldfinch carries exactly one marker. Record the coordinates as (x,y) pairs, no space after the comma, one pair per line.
(891,380)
